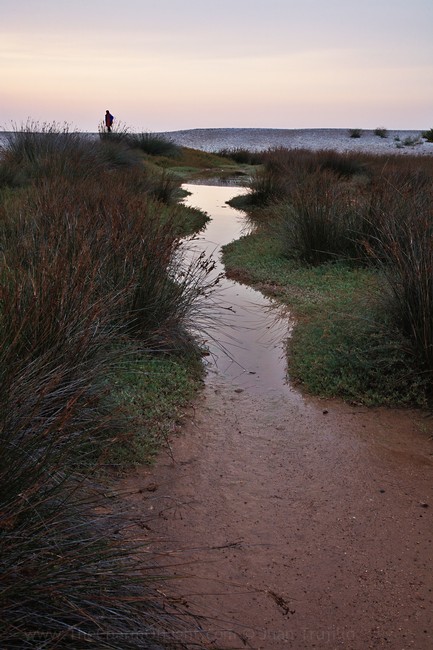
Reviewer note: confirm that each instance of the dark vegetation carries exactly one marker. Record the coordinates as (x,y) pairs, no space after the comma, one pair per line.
(242,156)
(381,132)
(355,133)
(97,307)
(154,145)
(428,135)
(347,241)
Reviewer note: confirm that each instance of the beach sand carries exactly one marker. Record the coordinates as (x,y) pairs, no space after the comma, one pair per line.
(396,142)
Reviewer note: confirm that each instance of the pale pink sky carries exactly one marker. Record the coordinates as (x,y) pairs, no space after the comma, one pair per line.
(162,65)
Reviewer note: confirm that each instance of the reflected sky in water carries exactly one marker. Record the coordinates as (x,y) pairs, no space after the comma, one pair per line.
(246,332)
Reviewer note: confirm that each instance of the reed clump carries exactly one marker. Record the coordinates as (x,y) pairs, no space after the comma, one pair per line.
(91,267)
(400,243)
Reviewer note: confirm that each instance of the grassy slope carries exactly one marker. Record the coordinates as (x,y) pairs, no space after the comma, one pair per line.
(193,164)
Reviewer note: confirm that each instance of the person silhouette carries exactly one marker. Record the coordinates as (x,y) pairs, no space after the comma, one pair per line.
(108,120)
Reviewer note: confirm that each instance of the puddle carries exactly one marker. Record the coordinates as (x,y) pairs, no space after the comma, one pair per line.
(247,331)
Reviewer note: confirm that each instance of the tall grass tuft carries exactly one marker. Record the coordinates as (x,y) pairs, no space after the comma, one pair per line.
(312,206)
(69,577)
(281,171)
(153,144)
(41,150)
(119,132)
(319,223)
(34,151)
(284,170)
(75,246)
(401,243)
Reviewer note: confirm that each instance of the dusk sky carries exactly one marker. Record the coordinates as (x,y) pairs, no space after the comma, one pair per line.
(163,65)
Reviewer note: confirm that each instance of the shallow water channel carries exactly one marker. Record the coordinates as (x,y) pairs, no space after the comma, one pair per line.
(245,332)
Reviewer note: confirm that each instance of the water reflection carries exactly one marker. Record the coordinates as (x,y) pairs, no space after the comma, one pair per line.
(246,332)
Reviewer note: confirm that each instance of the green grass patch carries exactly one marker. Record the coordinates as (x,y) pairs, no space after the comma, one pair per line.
(342,344)
(152,392)
(193,163)
(352,352)
(257,259)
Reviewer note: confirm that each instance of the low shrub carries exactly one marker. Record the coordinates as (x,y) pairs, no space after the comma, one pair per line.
(355,133)
(381,132)
(412,140)
(427,135)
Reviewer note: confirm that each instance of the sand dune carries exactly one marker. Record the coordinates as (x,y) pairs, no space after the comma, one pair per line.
(399,142)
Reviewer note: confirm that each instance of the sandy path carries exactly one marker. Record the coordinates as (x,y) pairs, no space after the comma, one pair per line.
(296,523)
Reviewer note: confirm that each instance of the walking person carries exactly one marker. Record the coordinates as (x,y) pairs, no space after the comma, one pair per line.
(108,120)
